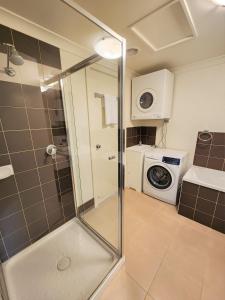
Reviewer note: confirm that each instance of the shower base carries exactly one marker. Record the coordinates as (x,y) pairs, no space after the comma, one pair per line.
(67,264)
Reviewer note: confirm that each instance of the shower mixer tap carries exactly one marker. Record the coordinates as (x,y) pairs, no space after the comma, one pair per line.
(51,150)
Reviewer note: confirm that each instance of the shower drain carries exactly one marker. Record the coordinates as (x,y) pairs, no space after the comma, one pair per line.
(64,263)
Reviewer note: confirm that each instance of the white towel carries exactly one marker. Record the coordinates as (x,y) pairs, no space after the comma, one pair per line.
(111,109)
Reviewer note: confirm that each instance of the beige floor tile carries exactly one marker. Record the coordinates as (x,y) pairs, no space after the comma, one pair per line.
(174,256)
(169,284)
(123,287)
(143,265)
(149,297)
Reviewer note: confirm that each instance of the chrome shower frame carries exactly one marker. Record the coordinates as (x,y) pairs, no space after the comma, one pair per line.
(121,142)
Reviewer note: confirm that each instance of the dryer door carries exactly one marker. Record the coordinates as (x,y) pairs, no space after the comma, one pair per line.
(160,177)
(146,100)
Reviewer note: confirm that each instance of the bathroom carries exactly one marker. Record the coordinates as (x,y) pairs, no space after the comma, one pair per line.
(112,149)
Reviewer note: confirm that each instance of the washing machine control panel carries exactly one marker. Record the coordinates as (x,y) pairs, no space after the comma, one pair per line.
(171,160)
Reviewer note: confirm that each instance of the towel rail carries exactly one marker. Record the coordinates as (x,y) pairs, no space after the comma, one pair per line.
(98,95)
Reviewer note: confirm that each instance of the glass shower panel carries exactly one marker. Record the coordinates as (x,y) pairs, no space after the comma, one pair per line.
(102,98)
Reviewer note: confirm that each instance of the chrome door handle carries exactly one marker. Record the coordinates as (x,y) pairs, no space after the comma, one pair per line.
(111,157)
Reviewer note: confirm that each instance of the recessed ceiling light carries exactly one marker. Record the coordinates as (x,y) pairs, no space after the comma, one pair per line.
(109,48)
(219,2)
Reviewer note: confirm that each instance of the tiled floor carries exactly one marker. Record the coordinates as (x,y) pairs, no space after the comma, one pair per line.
(168,257)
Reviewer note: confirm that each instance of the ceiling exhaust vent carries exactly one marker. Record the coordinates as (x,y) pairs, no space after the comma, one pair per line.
(166,26)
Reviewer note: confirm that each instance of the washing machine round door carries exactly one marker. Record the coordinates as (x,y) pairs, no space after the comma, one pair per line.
(160,177)
(146,100)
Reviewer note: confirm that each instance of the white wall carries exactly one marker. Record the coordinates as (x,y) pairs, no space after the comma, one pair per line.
(199,103)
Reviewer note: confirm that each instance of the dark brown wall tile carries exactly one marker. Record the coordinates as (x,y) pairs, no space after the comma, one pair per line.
(11,94)
(35,212)
(57,118)
(38,229)
(43,159)
(3,147)
(27,46)
(188,200)
(202,149)
(25,113)
(146,135)
(69,210)
(203,218)
(59,136)
(221,198)
(13,118)
(48,173)
(9,205)
(12,223)
(53,203)
(50,189)
(211,154)
(3,254)
(215,163)
(23,161)
(129,132)
(50,55)
(41,138)
(186,211)
(16,239)
(218,225)
(14,251)
(218,138)
(38,118)
(63,169)
(220,212)
(33,97)
(7,187)
(200,161)
(27,179)
(18,140)
(205,206)
(5,37)
(31,196)
(189,188)
(56,218)
(207,193)
(4,160)
(65,183)
(217,151)
(67,197)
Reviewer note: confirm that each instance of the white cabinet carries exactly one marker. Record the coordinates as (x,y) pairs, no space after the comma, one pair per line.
(134,166)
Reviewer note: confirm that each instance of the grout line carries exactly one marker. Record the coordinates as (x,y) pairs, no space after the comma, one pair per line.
(30,107)
(16,186)
(3,242)
(32,129)
(32,142)
(215,210)
(196,202)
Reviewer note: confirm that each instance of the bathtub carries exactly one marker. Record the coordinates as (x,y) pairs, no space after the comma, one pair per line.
(210,178)
(202,197)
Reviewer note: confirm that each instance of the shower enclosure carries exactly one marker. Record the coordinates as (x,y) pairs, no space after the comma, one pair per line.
(61,154)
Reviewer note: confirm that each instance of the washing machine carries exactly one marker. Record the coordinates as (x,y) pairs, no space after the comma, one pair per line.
(152,95)
(162,173)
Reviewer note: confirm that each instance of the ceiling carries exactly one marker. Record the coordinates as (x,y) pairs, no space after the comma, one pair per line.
(208,18)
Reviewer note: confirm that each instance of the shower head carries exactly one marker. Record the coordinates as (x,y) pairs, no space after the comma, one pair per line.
(15,58)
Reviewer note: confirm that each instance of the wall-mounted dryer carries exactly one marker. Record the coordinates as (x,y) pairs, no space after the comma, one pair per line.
(152,95)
